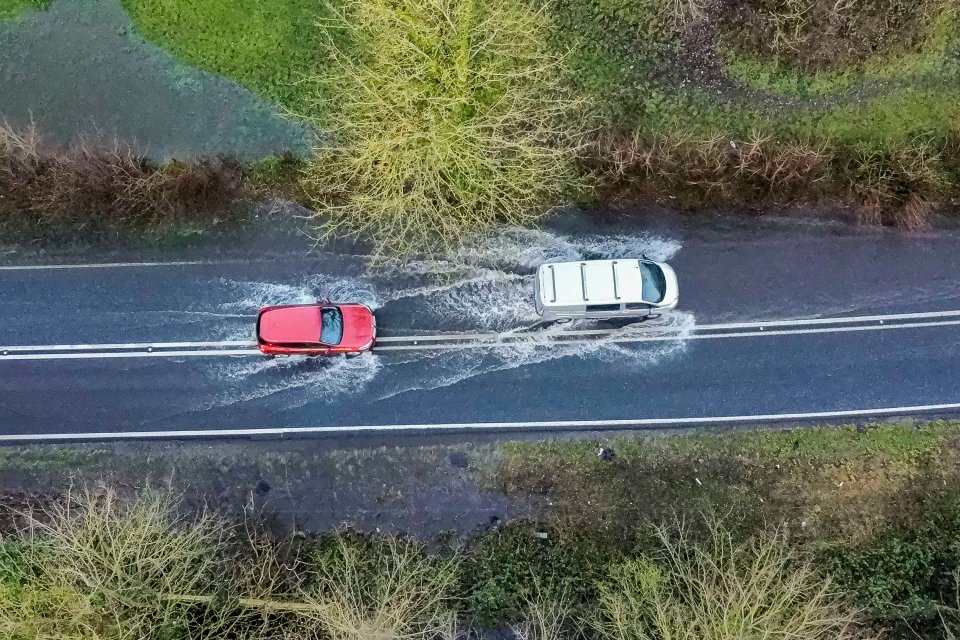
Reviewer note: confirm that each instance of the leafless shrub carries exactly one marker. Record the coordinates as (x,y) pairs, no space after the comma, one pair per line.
(685,12)
(94,191)
(720,590)
(894,186)
(543,618)
(716,167)
(402,595)
(106,568)
(447,117)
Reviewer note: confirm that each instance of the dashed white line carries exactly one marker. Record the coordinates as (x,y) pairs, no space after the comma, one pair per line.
(585,425)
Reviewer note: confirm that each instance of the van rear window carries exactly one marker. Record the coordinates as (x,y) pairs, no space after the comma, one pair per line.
(602,307)
(654,282)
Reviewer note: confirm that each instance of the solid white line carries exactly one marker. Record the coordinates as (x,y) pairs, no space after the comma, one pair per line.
(501,337)
(484,426)
(130,354)
(107,265)
(549,340)
(129,345)
(893,317)
(668,338)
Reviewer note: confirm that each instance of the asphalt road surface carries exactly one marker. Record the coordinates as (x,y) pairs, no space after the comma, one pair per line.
(779,320)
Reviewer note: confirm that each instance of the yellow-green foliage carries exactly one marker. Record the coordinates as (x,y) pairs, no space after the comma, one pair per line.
(96,567)
(444,117)
(720,590)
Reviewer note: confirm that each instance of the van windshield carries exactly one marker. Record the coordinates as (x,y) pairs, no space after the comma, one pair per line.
(654,282)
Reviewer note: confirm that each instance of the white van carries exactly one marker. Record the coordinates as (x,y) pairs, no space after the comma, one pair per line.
(600,289)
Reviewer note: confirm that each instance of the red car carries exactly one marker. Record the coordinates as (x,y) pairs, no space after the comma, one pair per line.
(319,329)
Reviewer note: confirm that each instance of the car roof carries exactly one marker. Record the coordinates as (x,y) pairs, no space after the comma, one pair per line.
(293,324)
(589,282)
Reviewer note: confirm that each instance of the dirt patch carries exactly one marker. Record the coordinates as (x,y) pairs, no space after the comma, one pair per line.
(78,67)
(306,485)
(699,65)
(817,35)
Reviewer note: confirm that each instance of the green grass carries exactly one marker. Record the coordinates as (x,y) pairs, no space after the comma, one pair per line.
(879,507)
(928,66)
(625,55)
(932,65)
(269,46)
(891,119)
(11,8)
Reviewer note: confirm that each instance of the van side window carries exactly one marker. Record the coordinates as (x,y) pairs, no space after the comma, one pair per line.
(637,305)
(602,307)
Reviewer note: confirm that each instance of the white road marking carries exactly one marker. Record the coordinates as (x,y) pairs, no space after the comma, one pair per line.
(106,265)
(461,341)
(485,426)
(500,337)
(676,336)
(92,355)
(891,317)
(129,345)
(131,354)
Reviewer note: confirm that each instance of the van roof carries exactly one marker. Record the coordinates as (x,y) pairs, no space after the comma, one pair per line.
(590,282)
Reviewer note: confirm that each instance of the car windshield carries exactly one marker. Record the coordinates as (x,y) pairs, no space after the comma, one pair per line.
(331,327)
(654,284)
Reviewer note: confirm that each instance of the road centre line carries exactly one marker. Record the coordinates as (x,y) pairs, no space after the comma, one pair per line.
(633,423)
(501,337)
(129,345)
(106,265)
(674,337)
(677,336)
(896,317)
(96,355)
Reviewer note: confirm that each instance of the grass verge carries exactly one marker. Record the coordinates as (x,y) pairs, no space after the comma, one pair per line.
(877,508)
(10,8)
(95,566)
(270,46)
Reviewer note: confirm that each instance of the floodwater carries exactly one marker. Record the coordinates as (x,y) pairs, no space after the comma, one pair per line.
(79,68)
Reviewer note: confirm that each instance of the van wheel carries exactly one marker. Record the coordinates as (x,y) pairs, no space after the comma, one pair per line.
(352,354)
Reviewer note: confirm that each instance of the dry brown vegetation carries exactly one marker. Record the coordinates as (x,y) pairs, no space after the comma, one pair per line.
(85,191)
(830,34)
(895,187)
